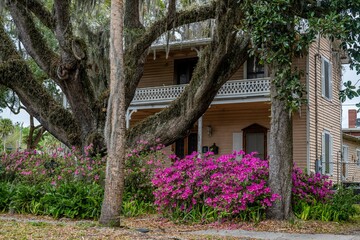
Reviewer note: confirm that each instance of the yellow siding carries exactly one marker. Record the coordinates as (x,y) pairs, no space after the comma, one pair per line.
(329,111)
(353,168)
(299,125)
(159,71)
(231,118)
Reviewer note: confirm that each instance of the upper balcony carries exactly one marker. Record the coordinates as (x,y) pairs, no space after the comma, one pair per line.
(235,91)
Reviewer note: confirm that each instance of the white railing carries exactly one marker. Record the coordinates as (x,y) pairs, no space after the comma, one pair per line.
(231,90)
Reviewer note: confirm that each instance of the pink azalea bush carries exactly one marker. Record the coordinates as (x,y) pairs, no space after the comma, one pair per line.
(225,184)
(55,167)
(310,188)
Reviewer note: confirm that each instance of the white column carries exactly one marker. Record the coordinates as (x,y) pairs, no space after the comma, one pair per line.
(200,125)
(128,117)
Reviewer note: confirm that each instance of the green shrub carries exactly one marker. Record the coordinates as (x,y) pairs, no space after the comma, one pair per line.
(6,193)
(24,198)
(73,200)
(340,208)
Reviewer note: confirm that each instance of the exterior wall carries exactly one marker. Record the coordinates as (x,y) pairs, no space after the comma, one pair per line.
(226,119)
(159,70)
(328,111)
(232,118)
(353,168)
(300,133)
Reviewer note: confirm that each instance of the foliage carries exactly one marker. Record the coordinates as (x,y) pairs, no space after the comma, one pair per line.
(53,167)
(71,200)
(223,185)
(310,188)
(340,208)
(69,184)
(139,166)
(6,127)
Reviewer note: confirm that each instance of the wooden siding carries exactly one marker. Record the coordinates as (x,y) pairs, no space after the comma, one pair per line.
(231,118)
(159,70)
(300,124)
(353,168)
(227,119)
(329,111)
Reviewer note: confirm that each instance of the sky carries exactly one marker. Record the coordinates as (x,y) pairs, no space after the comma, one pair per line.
(349,104)
(348,74)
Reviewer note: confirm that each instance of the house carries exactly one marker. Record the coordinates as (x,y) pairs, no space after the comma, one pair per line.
(350,165)
(239,116)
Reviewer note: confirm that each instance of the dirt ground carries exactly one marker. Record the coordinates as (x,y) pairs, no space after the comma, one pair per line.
(14,226)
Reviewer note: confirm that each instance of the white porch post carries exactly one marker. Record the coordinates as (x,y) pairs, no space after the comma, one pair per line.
(128,116)
(200,124)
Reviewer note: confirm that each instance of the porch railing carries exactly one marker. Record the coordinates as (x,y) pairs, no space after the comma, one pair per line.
(236,89)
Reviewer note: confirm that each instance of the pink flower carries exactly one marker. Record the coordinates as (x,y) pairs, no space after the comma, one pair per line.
(26,173)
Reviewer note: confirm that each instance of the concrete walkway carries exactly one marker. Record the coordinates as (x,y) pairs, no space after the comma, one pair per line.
(275,235)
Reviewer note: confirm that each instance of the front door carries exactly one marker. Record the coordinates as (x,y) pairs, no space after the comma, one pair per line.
(186,146)
(255,140)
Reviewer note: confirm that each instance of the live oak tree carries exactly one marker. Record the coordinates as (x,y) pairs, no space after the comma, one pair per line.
(75,55)
(115,121)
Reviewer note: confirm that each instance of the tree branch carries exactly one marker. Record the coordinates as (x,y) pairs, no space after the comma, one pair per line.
(32,39)
(40,12)
(217,63)
(63,29)
(136,55)
(15,74)
(39,103)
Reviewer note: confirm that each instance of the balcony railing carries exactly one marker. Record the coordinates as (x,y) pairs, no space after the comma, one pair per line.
(231,91)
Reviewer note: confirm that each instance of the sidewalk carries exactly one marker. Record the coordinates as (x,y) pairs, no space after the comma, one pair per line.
(275,235)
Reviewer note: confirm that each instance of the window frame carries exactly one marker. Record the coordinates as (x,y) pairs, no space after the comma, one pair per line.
(345,161)
(358,157)
(325,162)
(325,61)
(246,72)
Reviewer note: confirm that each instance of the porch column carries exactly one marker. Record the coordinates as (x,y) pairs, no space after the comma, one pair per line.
(200,124)
(128,117)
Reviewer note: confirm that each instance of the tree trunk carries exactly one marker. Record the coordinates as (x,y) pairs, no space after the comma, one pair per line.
(115,122)
(34,139)
(281,157)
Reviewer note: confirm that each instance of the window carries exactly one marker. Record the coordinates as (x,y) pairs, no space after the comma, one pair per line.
(255,140)
(345,161)
(183,70)
(186,146)
(327,164)
(358,157)
(326,78)
(254,69)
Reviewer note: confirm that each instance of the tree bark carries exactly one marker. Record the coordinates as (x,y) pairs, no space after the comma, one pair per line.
(34,136)
(115,122)
(281,156)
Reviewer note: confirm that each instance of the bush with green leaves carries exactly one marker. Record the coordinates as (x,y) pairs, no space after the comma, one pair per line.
(56,167)
(139,170)
(71,200)
(341,207)
(70,185)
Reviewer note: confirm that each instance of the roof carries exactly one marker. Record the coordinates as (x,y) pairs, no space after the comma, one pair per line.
(351,137)
(181,44)
(349,130)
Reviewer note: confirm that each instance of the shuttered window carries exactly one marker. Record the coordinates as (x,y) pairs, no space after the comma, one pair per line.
(326,77)
(327,158)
